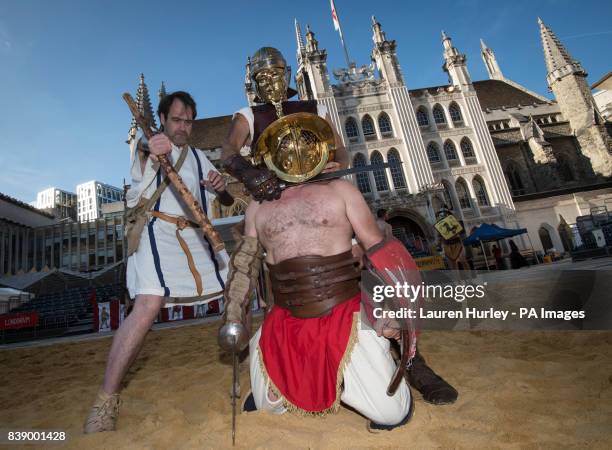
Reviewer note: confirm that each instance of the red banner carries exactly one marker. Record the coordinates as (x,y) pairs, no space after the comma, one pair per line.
(18,320)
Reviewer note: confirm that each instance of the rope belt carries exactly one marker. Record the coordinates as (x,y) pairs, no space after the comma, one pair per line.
(182,223)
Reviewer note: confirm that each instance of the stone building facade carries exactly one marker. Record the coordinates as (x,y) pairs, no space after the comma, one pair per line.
(439,133)
(486,148)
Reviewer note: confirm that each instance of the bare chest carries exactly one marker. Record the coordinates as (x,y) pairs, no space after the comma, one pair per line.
(305,221)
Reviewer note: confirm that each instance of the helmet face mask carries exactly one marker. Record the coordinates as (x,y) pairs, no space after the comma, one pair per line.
(271,75)
(271,84)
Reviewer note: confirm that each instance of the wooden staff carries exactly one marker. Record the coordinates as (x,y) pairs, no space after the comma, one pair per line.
(177,181)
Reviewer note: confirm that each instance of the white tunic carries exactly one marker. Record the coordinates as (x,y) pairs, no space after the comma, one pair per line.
(159,266)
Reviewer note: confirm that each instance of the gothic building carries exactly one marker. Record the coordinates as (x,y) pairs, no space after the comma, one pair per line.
(492,150)
(439,133)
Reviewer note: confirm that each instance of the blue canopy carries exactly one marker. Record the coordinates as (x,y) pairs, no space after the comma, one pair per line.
(491,232)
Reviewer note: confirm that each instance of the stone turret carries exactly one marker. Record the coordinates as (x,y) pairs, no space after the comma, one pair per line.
(455,63)
(490,61)
(567,80)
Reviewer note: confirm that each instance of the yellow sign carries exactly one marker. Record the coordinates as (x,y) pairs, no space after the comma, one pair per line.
(430,263)
(448,227)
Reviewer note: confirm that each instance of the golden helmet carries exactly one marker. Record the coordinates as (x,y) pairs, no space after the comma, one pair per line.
(265,58)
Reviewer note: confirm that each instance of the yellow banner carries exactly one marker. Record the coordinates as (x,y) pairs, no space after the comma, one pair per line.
(430,262)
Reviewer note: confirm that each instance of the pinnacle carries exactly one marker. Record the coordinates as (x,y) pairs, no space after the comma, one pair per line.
(555,54)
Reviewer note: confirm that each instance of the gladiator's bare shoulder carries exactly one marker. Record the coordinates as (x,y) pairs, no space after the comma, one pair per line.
(346,189)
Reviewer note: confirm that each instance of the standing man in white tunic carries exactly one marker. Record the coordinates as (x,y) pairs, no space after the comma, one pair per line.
(173,258)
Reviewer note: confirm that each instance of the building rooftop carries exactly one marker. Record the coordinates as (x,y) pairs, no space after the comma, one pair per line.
(19,203)
(494,94)
(604,83)
(209,133)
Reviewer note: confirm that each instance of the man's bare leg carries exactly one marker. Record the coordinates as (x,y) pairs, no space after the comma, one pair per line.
(127,343)
(128,340)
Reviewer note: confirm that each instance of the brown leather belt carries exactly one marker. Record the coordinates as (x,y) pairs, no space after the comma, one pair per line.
(310,286)
(182,223)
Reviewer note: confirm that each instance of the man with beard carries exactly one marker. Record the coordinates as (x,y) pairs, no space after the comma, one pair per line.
(172,258)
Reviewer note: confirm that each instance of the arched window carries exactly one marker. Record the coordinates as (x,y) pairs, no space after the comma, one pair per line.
(380,177)
(545,238)
(367,125)
(455,113)
(450,151)
(438,114)
(384,125)
(350,126)
(437,203)
(463,194)
(481,191)
(466,148)
(422,118)
(397,174)
(363,181)
(514,180)
(433,154)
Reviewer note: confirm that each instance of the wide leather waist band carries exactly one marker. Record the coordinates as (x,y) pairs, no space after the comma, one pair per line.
(310,286)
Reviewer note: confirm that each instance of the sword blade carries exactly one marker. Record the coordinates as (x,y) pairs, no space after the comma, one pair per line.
(234,394)
(235,356)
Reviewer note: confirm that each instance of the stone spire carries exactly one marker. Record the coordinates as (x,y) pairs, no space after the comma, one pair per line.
(298,36)
(249,88)
(559,63)
(384,55)
(454,63)
(379,35)
(312,45)
(300,42)
(311,78)
(143,101)
(162,91)
(490,61)
(567,80)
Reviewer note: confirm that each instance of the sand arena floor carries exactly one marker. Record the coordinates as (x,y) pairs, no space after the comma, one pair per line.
(517,390)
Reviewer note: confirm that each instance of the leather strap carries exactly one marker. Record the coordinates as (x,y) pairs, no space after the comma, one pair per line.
(182,223)
(166,181)
(310,286)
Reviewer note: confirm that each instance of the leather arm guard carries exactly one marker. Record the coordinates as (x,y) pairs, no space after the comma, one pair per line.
(261,183)
(390,264)
(245,264)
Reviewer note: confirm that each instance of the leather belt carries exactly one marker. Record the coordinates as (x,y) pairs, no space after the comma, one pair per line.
(182,223)
(310,286)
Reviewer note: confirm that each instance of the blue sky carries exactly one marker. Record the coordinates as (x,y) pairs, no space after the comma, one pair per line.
(64,64)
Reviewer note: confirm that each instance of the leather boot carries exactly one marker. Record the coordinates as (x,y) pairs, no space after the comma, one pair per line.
(433,387)
(103,414)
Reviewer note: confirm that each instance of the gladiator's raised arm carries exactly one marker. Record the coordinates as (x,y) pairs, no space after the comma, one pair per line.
(261,183)
(237,137)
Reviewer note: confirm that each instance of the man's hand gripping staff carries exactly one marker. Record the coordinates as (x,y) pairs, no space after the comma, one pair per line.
(176,180)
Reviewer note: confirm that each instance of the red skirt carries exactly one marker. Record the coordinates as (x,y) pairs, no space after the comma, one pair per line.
(304,358)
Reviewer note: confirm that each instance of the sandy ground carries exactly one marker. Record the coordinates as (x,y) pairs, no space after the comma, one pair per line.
(517,390)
